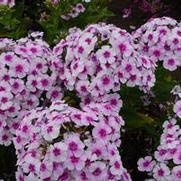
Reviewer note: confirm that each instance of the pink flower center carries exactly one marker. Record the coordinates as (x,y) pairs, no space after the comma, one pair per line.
(30,102)
(8,58)
(128,67)
(56,151)
(178,174)
(83,89)
(145,48)
(106,54)
(146,163)
(98,152)
(15,85)
(162,152)
(106,80)
(24,50)
(164,32)
(102,133)
(50,129)
(77,116)
(83,176)
(148,78)
(75,66)
(15,125)
(73,146)
(25,128)
(120,74)
(43,167)
(5,137)
(33,50)
(4,99)
(156,53)
(175,41)
(34,83)
(150,37)
(74,159)
(39,66)
(117,165)
(31,168)
(171,62)
(2,88)
(55,94)
(161,172)
(170,125)
(122,47)
(6,77)
(179,33)
(11,109)
(133,77)
(19,68)
(80,49)
(44,82)
(18,139)
(97,172)
(88,40)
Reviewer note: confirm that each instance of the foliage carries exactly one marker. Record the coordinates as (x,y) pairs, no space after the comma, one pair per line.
(45,16)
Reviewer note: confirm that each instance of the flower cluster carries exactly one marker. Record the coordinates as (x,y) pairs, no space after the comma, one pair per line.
(150,8)
(65,143)
(9,3)
(75,11)
(167,163)
(160,39)
(26,81)
(99,59)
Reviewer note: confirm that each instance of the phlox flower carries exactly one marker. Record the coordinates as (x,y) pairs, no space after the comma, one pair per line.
(116,167)
(106,55)
(75,145)
(146,164)
(170,64)
(160,172)
(19,69)
(102,132)
(46,168)
(58,152)
(97,170)
(50,131)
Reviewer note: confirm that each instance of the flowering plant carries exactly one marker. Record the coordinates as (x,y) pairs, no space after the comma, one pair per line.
(64,143)
(55,140)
